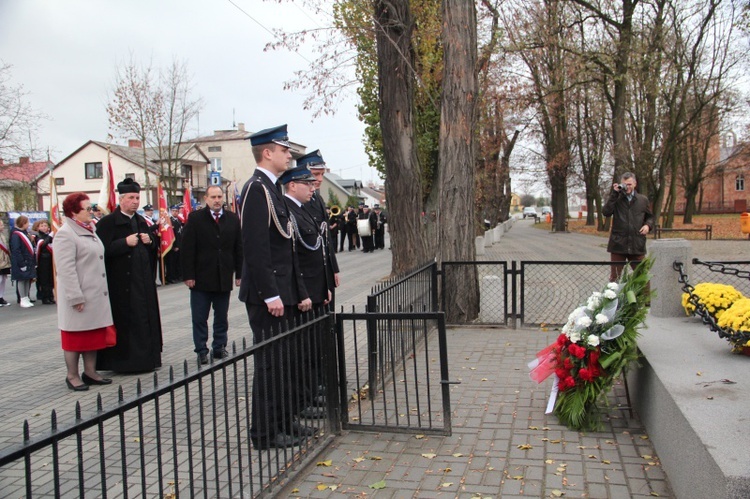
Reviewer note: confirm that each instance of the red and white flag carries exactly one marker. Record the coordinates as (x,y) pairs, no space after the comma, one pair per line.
(166,232)
(54,206)
(187,203)
(107,201)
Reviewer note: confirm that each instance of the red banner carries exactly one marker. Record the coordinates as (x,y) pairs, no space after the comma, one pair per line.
(165,225)
(107,201)
(187,203)
(54,206)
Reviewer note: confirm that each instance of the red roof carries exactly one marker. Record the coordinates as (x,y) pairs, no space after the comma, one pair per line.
(23,172)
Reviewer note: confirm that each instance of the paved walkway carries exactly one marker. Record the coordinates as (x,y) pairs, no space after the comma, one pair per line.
(496,408)
(503,445)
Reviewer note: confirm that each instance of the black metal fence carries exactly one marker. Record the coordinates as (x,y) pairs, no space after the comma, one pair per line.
(188,436)
(415,291)
(532,293)
(401,383)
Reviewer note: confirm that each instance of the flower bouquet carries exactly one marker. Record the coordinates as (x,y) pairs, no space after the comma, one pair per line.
(596,344)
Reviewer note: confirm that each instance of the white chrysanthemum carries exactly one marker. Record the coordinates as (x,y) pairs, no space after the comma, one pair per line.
(610,295)
(613,286)
(583,322)
(601,319)
(594,301)
(593,340)
(576,314)
(575,337)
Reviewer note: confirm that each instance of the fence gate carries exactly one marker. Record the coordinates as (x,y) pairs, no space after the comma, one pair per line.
(393,371)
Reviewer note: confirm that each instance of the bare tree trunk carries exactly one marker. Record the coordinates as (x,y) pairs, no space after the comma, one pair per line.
(457,156)
(394,26)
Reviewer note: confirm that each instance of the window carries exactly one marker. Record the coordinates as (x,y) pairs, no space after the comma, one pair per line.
(214,149)
(93,170)
(59,181)
(216,165)
(739,183)
(130,175)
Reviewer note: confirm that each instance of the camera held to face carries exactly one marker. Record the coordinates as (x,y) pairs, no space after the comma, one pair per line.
(622,187)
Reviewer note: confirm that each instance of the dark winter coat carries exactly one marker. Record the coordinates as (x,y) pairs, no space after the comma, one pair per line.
(211,252)
(22,258)
(627,219)
(132,291)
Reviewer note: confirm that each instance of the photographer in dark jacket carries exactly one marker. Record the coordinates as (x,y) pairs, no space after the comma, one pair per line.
(632,220)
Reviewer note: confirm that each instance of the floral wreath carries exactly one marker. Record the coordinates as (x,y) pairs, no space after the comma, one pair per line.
(595,345)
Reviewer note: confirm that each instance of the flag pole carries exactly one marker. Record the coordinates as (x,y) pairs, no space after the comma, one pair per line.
(53,218)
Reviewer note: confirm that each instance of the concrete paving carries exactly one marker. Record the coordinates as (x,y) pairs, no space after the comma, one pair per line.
(496,408)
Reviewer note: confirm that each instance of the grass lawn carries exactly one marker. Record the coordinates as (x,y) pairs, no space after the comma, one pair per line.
(723,227)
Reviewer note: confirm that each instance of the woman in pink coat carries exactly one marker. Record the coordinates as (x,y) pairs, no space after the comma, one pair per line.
(83,310)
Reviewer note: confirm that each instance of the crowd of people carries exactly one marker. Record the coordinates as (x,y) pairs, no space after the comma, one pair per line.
(279,249)
(361,228)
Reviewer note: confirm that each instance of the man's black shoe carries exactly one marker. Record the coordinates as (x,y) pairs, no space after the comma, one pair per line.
(312,412)
(221,353)
(203,358)
(319,401)
(280,440)
(301,430)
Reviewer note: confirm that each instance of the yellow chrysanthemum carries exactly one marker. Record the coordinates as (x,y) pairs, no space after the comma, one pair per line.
(737,316)
(715,297)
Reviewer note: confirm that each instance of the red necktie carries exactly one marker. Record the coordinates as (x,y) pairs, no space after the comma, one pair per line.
(216,217)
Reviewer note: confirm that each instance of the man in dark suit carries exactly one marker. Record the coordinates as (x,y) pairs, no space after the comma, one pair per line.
(272,288)
(379,227)
(312,253)
(172,259)
(211,253)
(368,242)
(317,208)
(351,228)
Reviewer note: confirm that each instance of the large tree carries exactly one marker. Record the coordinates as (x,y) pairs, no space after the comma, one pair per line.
(156,107)
(19,121)
(403,182)
(457,156)
(539,36)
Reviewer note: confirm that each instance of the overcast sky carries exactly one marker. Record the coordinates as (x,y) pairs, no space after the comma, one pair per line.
(64,53)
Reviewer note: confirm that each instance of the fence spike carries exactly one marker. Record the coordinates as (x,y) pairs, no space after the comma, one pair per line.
(121,395)
(171,374)
(78,410)
(99,403)
(53,420)
(185,367)
(26,437)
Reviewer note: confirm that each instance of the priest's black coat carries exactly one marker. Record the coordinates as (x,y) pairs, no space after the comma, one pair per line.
(132,295)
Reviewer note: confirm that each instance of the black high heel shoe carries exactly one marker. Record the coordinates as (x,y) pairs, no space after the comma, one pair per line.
(79,388)
(91,381)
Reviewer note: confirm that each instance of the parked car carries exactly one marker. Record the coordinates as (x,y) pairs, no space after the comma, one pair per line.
(529,211)
(546,210)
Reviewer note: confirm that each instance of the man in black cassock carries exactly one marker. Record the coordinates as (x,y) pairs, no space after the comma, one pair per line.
(132,291)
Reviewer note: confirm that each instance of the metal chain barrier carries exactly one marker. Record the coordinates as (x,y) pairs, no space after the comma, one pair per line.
(723,269)
(735,337)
